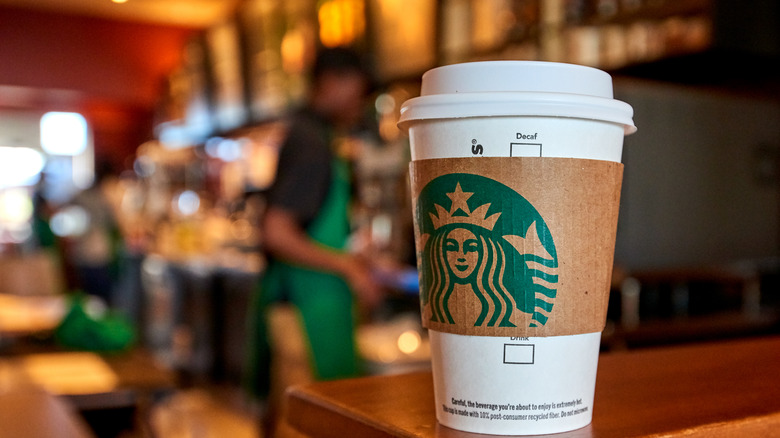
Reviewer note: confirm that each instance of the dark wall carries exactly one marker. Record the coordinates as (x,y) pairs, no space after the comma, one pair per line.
(698,184)
(751,26)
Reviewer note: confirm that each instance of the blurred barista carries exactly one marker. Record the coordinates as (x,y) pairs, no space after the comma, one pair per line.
(305,231)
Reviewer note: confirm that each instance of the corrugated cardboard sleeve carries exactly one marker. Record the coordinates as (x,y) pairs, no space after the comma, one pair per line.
(579,201)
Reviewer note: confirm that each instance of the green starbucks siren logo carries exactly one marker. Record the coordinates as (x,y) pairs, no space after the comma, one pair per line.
(481,234)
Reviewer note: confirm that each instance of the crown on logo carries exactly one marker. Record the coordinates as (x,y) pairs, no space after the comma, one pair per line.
(460,213)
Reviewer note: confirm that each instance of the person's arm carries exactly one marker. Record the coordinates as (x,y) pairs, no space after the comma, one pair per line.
(286,240)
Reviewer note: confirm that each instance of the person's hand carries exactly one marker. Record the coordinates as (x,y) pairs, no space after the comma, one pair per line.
(361,280)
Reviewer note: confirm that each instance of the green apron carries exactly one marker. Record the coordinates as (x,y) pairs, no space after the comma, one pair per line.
(324,300)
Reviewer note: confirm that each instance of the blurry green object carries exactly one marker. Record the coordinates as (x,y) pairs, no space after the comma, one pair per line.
(81,331)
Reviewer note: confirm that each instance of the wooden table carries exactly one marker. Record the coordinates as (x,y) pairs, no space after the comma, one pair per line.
(109,392)
(89,380)
(37,414)
(720,389)
(24,315)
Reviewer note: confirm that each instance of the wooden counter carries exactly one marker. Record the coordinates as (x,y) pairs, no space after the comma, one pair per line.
(720,389)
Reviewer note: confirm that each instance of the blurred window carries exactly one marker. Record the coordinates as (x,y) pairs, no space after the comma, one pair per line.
(63,133)
(19,166)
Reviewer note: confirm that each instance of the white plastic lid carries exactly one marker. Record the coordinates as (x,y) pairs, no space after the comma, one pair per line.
(517,88)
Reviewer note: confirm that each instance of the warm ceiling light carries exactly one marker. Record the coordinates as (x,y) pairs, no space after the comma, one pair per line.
(119,1)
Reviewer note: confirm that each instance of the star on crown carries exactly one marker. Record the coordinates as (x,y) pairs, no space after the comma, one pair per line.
(460,213)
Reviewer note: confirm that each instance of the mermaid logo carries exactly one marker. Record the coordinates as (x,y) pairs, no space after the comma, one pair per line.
(506,257)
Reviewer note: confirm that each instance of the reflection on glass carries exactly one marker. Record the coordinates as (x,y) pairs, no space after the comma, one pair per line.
(72,220)
(187,203)
(409,341)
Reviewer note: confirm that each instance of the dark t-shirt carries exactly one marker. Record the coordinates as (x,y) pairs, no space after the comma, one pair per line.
(303,173)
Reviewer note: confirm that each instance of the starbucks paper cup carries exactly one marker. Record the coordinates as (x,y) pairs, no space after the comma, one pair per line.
(515,180)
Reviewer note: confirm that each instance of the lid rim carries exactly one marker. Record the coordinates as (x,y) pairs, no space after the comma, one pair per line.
(628,128)
(543,104)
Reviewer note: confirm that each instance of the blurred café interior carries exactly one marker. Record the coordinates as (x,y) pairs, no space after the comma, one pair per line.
(158,124)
